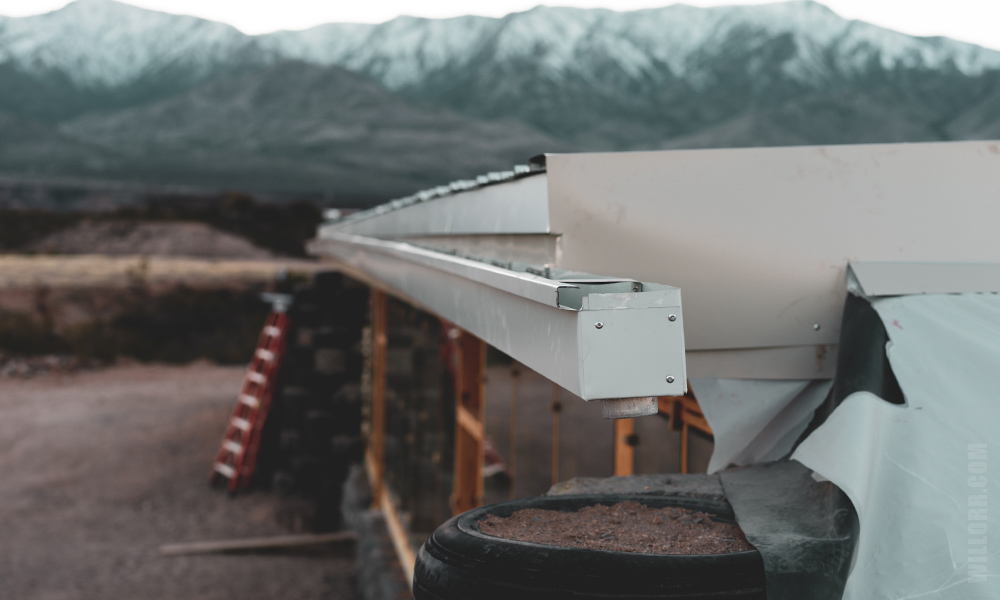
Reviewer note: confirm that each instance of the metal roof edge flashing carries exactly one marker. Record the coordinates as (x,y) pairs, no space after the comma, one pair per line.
(873,279)
(600,338)
(534,167)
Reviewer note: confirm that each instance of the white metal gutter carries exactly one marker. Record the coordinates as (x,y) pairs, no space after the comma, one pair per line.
(599,338)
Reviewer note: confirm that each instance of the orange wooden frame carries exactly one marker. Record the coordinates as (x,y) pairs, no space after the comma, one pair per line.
(470,416)
(684,414)
(376,438)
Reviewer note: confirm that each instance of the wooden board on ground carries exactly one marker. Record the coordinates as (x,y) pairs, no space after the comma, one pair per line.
(266,543)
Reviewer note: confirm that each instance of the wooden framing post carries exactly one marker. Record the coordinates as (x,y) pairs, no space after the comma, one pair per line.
(684,448)
(515,373)
(691,418)
(375,454)
(624,450)
(684,414)
(556,409)
(470,414)
(376,439)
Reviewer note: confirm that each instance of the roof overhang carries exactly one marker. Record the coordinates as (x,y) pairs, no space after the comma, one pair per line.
(758,239)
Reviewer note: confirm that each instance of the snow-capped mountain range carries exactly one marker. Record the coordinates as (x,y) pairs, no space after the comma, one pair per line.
(104,43)
(791,72)
(643,44)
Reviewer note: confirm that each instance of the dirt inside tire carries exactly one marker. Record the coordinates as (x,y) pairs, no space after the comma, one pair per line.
(623,527)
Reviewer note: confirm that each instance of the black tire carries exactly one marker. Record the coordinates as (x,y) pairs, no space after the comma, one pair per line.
(460,562)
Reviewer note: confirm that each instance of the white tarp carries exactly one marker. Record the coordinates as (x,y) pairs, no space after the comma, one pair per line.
(918,474)
(756,420)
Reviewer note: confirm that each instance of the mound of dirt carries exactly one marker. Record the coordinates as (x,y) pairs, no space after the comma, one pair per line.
(149,239)
(623,527)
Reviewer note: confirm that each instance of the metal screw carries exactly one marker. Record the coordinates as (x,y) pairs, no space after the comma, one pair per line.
(672,318)
(670,378)
(599,325)
(635,287)
(816,327)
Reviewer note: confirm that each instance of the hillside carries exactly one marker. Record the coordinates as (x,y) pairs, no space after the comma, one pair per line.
(105,91)
(298,127)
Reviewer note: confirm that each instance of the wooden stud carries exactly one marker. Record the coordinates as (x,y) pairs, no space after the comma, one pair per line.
(470,412)
(376,440)
(684,414)
(698,421)
(397,533)
(624,452)
(515,373)
(394,523)
(684,448)
(468,422)
(556,409)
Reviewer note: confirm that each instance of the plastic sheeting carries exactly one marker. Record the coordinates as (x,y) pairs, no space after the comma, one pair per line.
(756,420)
(917,473)
(804,530)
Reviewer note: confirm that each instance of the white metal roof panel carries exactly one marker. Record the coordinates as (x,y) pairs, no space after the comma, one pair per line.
(759,239)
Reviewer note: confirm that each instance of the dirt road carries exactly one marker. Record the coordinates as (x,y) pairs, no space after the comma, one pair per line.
(98,469)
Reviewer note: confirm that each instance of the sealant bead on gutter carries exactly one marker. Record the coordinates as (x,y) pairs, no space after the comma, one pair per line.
(482,180)
(521,169)
(498,176)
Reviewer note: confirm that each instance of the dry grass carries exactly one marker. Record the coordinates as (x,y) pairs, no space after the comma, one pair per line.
(27,271)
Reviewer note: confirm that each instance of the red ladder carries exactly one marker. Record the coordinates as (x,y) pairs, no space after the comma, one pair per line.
(238,453)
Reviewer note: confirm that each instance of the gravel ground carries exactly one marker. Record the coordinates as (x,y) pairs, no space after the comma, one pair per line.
(98,469)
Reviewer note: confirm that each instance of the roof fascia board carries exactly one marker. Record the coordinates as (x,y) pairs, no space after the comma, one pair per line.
(783,362)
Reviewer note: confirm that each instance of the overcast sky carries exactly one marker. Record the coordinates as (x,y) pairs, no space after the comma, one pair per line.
(976,21)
